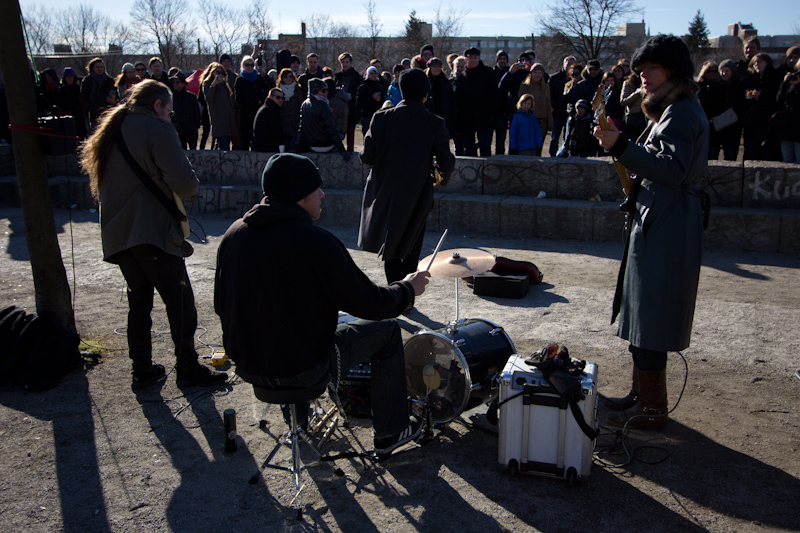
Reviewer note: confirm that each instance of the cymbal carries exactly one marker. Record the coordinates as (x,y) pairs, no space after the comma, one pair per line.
(459,263)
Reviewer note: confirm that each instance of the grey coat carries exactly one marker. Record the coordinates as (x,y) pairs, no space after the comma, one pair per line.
(220,110)
(657,285)
(400,144)
(129,213)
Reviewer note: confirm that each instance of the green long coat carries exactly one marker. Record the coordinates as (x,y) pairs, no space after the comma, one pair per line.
(657,286)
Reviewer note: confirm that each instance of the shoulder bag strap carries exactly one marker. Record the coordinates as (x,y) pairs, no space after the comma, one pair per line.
(148,181)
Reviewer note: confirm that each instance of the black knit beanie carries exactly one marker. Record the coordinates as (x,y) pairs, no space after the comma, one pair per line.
(290,177)
(668,51)
(414,84)
(501,53)
(315,84)
(428,47)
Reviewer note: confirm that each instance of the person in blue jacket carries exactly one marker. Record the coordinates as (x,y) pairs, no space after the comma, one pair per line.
(525,137)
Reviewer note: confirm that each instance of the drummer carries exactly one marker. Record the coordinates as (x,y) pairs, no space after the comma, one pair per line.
(280,283)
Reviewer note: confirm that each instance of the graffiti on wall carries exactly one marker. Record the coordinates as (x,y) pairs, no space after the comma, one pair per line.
(766,189)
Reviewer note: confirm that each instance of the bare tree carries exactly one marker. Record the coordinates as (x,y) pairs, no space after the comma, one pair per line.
(588,25)
(259,26)
(84,29)
(39,28)
(448,29)
(373,27)
(327,38)
(223,26)
(167,24)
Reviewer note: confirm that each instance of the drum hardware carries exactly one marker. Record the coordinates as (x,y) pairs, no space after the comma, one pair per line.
(449,369)
(459,263)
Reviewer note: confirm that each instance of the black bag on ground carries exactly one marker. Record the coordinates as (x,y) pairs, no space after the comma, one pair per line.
(36,352)
(501,285)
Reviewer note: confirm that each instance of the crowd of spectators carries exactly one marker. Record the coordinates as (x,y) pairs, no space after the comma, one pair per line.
(750,102)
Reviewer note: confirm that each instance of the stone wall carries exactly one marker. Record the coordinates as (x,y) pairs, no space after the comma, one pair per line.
(755,203)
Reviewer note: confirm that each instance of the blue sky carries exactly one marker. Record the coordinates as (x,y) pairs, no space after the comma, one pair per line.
(770,17)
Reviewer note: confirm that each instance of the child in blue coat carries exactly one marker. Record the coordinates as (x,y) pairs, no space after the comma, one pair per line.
(525,137)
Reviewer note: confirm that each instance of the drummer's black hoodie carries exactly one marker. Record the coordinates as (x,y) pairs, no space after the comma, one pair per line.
(280,283)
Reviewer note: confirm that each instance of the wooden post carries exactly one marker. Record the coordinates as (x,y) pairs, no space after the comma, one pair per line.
(49,276)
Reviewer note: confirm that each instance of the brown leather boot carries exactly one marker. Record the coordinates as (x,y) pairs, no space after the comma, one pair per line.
(650,412)
(626,402)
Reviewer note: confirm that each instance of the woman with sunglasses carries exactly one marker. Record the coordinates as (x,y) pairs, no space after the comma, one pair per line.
(268,135)
(250,91)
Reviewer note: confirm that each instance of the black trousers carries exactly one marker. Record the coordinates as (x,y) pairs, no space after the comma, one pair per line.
(397,269)
(147,268)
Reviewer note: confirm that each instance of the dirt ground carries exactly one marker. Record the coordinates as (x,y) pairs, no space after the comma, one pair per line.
(90,455)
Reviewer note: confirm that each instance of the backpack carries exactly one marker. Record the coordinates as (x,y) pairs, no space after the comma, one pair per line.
(35,351)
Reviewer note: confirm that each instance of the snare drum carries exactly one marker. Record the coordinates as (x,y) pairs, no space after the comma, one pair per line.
(447,367)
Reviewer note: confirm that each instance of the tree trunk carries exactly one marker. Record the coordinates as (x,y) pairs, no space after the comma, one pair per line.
(49,276)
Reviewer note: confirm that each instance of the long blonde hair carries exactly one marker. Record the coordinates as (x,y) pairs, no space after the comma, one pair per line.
(94,153)
(208,74)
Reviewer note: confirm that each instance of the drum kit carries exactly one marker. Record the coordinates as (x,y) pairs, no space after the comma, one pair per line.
(453,369)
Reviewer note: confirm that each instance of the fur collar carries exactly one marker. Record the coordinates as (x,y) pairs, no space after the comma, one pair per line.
(655,103)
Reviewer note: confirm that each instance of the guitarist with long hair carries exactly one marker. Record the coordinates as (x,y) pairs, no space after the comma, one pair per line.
(139,233)
(659,272)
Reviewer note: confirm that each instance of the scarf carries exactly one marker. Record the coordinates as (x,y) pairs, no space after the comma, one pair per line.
(320,97)
(288,90)
(249,76)
(654,104)
(97,82)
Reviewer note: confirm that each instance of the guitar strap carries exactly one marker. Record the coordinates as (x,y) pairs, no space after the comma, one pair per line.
(148,182)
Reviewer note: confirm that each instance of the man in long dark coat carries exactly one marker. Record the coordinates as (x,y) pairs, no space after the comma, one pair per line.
(398,196)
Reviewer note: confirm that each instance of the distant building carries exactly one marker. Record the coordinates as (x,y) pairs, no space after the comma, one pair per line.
(774,45)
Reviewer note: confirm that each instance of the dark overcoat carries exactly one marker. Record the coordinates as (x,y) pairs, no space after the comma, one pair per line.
(400,146)
(657,286)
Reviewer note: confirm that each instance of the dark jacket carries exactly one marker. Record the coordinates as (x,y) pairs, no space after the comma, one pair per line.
(305,77)
(351,81)
(187,111)
(558,99)
(442,100)
(93,96)
(657,288)
(129,213)
(586,88)
(280,283)
(398,195)
(367,105)
(317,127)
(268,133)
(476,99)
(788,129)
(509,89)
(250,95)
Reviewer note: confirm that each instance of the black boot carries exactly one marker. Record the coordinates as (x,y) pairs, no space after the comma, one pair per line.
(650,412)
(626,402)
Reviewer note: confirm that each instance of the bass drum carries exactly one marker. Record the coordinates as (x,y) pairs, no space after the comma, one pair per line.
(447,367)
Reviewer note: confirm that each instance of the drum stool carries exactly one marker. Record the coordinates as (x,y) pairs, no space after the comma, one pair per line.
(296,434)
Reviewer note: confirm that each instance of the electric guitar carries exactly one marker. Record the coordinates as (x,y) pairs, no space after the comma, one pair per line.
(599,109)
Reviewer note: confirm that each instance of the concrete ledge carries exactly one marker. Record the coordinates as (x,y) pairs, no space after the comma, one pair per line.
(508,175)
(770,184)
(723,182)
(470,214)
(744,229)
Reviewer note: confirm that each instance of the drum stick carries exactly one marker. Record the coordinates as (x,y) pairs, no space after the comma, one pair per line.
(436,250)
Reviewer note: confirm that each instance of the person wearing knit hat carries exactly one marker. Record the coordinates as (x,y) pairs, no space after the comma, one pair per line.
(660,268)
(370,97)
(290,177)
(425,54)
(68,97)
(125,81)
(280,282)
(317,131)
(414,85)
(401,144)
(792,55)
